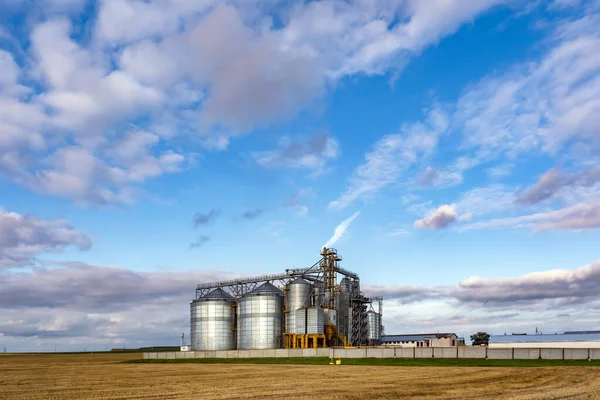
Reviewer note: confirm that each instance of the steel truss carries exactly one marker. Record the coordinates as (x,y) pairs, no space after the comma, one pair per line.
(239,287)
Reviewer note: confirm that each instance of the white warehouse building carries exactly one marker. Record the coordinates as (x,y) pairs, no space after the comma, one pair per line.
(423,340)
(567,340)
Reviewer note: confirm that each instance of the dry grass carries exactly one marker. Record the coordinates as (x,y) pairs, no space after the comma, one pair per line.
(100,376)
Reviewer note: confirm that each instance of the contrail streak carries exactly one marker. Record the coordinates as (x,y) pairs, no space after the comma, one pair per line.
(340,230)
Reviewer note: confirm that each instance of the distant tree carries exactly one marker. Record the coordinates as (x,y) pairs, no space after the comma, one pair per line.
(480,339)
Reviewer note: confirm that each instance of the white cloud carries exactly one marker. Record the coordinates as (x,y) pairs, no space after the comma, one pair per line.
(20,122)
(419,208)
(23,237)
(301,211)
(253,80)
(78,174)
(440,218)
(554,300)
(102,305)
(125,21)
(500,171)
(465,217)
(340,230)
(75,305)
(171,67)
(577,283)
(370,37)
(576,217)
(391,156)
(539,105)
(549,106)
(399,233)
(555,181)
(487,200)
(439,179)
(312,153)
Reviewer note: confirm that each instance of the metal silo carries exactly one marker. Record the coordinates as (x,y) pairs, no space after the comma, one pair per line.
(342,306)
(211,321)
(374,324)
(310,320)
(318,295)
(259,323)
(298,296)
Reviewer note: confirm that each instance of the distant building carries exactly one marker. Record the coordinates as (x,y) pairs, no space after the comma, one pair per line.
(461,342)
(422,340)
(569,340)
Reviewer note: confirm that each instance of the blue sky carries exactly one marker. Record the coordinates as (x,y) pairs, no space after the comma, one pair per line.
(146,146)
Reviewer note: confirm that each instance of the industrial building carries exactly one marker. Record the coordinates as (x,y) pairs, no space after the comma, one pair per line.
(422,340)
(301,308)
(569,340)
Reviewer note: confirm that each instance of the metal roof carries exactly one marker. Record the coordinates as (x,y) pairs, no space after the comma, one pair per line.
(415,337)
(300,281)
(266,289)
(565,337)
(217,294)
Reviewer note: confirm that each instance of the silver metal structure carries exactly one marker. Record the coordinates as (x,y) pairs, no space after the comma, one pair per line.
(260,318)
(316,286)
(315,320)
(374,328)
(342,305)
(299,294)
(212,322)
(239,287)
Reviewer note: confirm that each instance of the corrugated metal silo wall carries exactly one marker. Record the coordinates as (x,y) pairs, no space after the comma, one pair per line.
(343,307)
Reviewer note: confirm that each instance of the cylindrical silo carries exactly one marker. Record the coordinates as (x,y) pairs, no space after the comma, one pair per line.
(374,324)
(309,320)
(259,323)
(342,306)
(318,295)
(315,319)
(300,321)
(298,296)
(211,321)
(330,316)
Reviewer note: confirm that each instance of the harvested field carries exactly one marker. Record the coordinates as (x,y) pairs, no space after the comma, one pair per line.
(102,376)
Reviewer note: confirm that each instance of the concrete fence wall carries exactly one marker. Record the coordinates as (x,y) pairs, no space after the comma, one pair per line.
(279,353)
(398,352)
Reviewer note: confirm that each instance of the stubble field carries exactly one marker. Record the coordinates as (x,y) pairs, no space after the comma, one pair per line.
(102,376)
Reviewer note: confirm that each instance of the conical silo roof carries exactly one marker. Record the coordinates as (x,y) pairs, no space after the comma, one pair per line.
(300,281)
(217,294)
(266,289)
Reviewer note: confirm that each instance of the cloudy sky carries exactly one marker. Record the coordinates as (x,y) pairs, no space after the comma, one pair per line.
(448,149)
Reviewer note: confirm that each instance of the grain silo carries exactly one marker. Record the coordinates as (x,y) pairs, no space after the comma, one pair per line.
(313,310)
(310,320)
(212,319)
(374,324)
(342,306)
(318,298)
(259,318)
(299,294)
